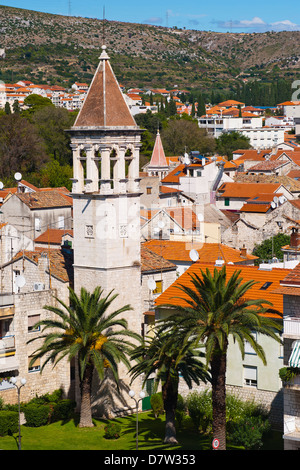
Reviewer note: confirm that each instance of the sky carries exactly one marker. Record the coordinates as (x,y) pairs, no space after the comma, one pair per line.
(216,15)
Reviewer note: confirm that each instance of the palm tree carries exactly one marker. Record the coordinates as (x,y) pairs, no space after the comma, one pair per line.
(86,330)
(166,357)
(217,309)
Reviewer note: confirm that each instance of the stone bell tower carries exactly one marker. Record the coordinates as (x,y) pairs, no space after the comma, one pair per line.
(106,197)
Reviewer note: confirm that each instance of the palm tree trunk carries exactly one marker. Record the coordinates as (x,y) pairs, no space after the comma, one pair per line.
(170,395)
(86,389)
(218,376)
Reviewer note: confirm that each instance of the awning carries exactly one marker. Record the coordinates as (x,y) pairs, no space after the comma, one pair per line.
(294,360)
(8,363)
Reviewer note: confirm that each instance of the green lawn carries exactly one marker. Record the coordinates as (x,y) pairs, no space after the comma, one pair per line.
(67,436)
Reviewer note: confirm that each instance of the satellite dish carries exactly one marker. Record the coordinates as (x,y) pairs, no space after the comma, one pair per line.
(200,217)
(151,284)
(282,199)
(275,199)
(194,255)
(1,185)
(273,205)
(20,280)
(161,224)
(18,176)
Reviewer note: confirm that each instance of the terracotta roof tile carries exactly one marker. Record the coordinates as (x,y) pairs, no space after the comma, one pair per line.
(247,273)
(246,190)
(152,261)
(61,262)
(208,252)
(174,175)
(45,199)
(104,104)
(255,208)
(53,236)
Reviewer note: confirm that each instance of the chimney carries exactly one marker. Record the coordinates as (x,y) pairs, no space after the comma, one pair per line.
(244,252)
(295,238)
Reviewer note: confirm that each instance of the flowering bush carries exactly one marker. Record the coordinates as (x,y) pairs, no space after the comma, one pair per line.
(112,431)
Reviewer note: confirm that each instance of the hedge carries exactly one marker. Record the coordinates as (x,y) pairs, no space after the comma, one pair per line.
(9,421)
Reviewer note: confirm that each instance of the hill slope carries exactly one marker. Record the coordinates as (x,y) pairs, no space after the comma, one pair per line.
(61,49)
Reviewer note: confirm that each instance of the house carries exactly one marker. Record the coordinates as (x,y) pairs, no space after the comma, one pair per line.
(232,196)
(157,274)
(246,376)
(34,212)
(183,255)
(290,109)
(54,238)
(258,220)
(31,280)
(290,184)
(171,223)
(290,290)
(199,179)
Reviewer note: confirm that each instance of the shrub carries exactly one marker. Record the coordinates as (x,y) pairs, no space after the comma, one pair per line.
(112,431)
(287,374)
(199,407)
(37,415)
(53,397)
(9,421)
(157,404)
(63,410)
(248,432)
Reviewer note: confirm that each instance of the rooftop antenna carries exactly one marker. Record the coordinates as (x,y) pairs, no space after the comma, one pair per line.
(103,27)
(69,7)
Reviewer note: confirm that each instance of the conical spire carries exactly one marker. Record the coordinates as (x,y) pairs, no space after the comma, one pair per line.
(158,158)
(104,105)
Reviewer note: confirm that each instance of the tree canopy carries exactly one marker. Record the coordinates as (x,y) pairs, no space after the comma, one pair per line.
(227,143)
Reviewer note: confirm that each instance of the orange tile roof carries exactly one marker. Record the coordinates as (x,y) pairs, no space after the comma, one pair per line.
(255,208)
(174,175)
(251,154)
(167,190)
(152,261)
(230,103)
(171,294)
(61,262)
(44,199)
(53,236)
(208,252)
(246,190)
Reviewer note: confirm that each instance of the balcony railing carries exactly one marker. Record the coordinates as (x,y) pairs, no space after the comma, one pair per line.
(291,327)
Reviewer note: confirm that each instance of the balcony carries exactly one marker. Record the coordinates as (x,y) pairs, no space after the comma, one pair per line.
(7,345)
(291,327)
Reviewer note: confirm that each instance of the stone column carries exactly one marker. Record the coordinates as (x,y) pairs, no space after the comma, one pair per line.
(92,174)
(105,187)
(120,175)
(133,171)
(78,175)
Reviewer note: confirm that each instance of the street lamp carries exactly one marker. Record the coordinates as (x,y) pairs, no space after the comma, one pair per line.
(13,380)
(142,395)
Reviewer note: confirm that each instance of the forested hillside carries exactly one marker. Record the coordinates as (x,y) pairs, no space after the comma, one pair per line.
(257,68)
